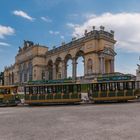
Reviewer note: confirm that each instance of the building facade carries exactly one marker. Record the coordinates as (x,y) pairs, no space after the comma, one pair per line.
(29,64)
(35,62)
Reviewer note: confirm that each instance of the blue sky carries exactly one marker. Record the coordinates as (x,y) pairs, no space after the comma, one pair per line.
(50,22)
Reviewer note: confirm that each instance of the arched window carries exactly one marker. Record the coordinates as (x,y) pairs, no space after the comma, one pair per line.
(80,62)
(89,66)
(68,66)
(80,66)
(24,66)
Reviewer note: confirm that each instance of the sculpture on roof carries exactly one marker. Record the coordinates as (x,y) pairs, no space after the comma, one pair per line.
(28,43)
(19,49)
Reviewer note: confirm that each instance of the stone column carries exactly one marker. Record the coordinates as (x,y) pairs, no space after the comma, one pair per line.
(85,67)
(47,74)
(112,65)
(102,65)
(54,71)
(74,67)
(63,69)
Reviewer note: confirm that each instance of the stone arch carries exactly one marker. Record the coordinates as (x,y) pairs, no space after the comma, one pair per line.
(79,54)
(80,63)
(50,69)
(89,66)
(68,65)
(67,57)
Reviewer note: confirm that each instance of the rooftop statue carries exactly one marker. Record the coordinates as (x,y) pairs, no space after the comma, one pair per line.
(19,49)
(28,43)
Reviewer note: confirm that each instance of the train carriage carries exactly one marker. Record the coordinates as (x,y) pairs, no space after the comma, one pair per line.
(71,92)
(112,91)
(52,93)
(8,96)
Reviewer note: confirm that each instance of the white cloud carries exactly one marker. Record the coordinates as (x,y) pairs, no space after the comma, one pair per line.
(46,19)
(54,32)
(4,44)
(73,16)
(71,25)
(62,37)
(125,25)
(23,14)
(6,30)
(126,69)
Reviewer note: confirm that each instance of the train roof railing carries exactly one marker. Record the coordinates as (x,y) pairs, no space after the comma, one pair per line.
(69,80)
(8,86)
(100,78)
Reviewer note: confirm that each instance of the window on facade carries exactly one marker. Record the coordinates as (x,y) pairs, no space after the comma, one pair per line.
(24,66)
(25,77)
(43,75)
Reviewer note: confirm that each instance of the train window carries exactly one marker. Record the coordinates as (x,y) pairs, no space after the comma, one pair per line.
(138,84)
(78,88)
(95,87)
(49,89)
(26,90)
(103,87)
(133,85)
(41,90)
(30,90)
(5,91)
(1,91)
(64,89)
(71,88)
(128,85)
(35,90)
(53,89)
(125,85)
(112,86)
(59,89)
(120,86)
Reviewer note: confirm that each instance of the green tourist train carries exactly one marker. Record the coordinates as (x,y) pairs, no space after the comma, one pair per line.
(122,90)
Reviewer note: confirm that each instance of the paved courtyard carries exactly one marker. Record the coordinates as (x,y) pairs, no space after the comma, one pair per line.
(119,121)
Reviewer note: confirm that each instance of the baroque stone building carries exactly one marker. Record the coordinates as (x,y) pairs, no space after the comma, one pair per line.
(36,62)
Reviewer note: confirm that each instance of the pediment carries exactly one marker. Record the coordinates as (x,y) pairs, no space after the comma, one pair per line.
(109,51)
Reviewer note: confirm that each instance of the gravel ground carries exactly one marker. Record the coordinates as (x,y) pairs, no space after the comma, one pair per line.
(118,121)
